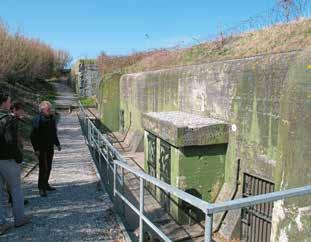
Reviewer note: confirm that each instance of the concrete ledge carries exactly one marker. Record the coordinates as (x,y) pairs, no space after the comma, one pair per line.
(184,129)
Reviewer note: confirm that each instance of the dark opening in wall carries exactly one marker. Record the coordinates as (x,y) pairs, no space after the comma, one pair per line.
(256,220)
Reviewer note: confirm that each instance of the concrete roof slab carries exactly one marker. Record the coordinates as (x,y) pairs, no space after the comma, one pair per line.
(184,129)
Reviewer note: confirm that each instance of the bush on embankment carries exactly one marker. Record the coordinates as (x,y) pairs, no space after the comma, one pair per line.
(25,60)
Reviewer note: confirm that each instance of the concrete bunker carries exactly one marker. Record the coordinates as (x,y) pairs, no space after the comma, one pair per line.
(187,151)
(267,97)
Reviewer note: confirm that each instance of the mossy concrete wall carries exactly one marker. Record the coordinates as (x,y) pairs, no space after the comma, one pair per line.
(85,78)
(145,92)
(292,218)
(108,98)
(267,101)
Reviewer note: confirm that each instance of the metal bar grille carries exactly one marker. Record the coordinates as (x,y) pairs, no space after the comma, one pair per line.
(256,220)
(165,172)
(122,123)
(152,160)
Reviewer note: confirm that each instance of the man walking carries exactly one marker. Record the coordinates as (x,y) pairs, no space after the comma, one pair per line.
(43,138)
(10,171)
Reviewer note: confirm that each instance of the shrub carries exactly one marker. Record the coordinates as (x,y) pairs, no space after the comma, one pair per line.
(25,60)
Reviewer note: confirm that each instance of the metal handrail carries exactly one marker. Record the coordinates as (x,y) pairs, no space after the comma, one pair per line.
(98,140)
(258,199)
(194,201)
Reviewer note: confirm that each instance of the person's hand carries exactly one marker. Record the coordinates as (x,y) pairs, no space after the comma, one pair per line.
(37,153)
(59,148)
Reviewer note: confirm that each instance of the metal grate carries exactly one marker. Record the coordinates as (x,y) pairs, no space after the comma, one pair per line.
(152,160)
(256,220)
(122,122)
(165,172)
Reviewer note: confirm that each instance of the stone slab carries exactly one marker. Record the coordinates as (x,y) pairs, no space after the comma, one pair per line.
(182,129)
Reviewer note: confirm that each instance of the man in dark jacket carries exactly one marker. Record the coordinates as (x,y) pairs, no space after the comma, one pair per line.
(17,111)
(10,171)
(43,138)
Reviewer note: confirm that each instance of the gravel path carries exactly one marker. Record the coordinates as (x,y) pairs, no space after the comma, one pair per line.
(78,210)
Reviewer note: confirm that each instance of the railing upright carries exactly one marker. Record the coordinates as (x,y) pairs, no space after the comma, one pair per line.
(141,209)
(208,227)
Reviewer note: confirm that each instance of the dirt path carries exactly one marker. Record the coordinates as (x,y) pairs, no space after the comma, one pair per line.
(78,210)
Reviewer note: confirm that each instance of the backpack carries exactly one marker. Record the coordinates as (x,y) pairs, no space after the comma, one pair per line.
(3,125)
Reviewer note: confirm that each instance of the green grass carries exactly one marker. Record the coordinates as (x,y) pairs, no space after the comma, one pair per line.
(87,61)
(88,101)
(48,93)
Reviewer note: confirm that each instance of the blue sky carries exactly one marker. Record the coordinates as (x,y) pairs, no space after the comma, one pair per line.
(85,28)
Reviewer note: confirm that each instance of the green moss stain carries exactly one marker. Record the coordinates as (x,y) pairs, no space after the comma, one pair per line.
(296,123)
(204,169)
(109,102)
(148,93)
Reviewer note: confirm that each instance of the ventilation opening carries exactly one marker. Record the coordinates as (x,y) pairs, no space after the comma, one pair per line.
(256,220)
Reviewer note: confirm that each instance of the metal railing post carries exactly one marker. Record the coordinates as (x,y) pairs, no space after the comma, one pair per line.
(114,178)
(85,125)
(122,176)
(208,227)
(92,141)
(107,168)
(100,161)
(141,210)
(88,130)
(122,189)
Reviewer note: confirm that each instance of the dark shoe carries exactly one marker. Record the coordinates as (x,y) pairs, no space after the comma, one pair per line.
(42,193)
(4,227)
(25,220)
(50,188)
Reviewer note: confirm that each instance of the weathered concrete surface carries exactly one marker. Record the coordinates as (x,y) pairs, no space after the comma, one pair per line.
(292,218)
(78,210)
(108,97)
(85,78)
(183,129)
(267,101)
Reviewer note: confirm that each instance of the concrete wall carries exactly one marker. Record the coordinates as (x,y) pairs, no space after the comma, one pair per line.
(292,218)
(85,78)
(267,99)
(108,98)
(144,92)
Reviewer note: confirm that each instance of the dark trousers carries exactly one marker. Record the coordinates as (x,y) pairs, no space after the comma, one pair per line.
(45,166)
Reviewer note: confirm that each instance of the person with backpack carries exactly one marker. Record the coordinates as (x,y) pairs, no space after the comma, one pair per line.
(10,170)
(17,110)
(44,138)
